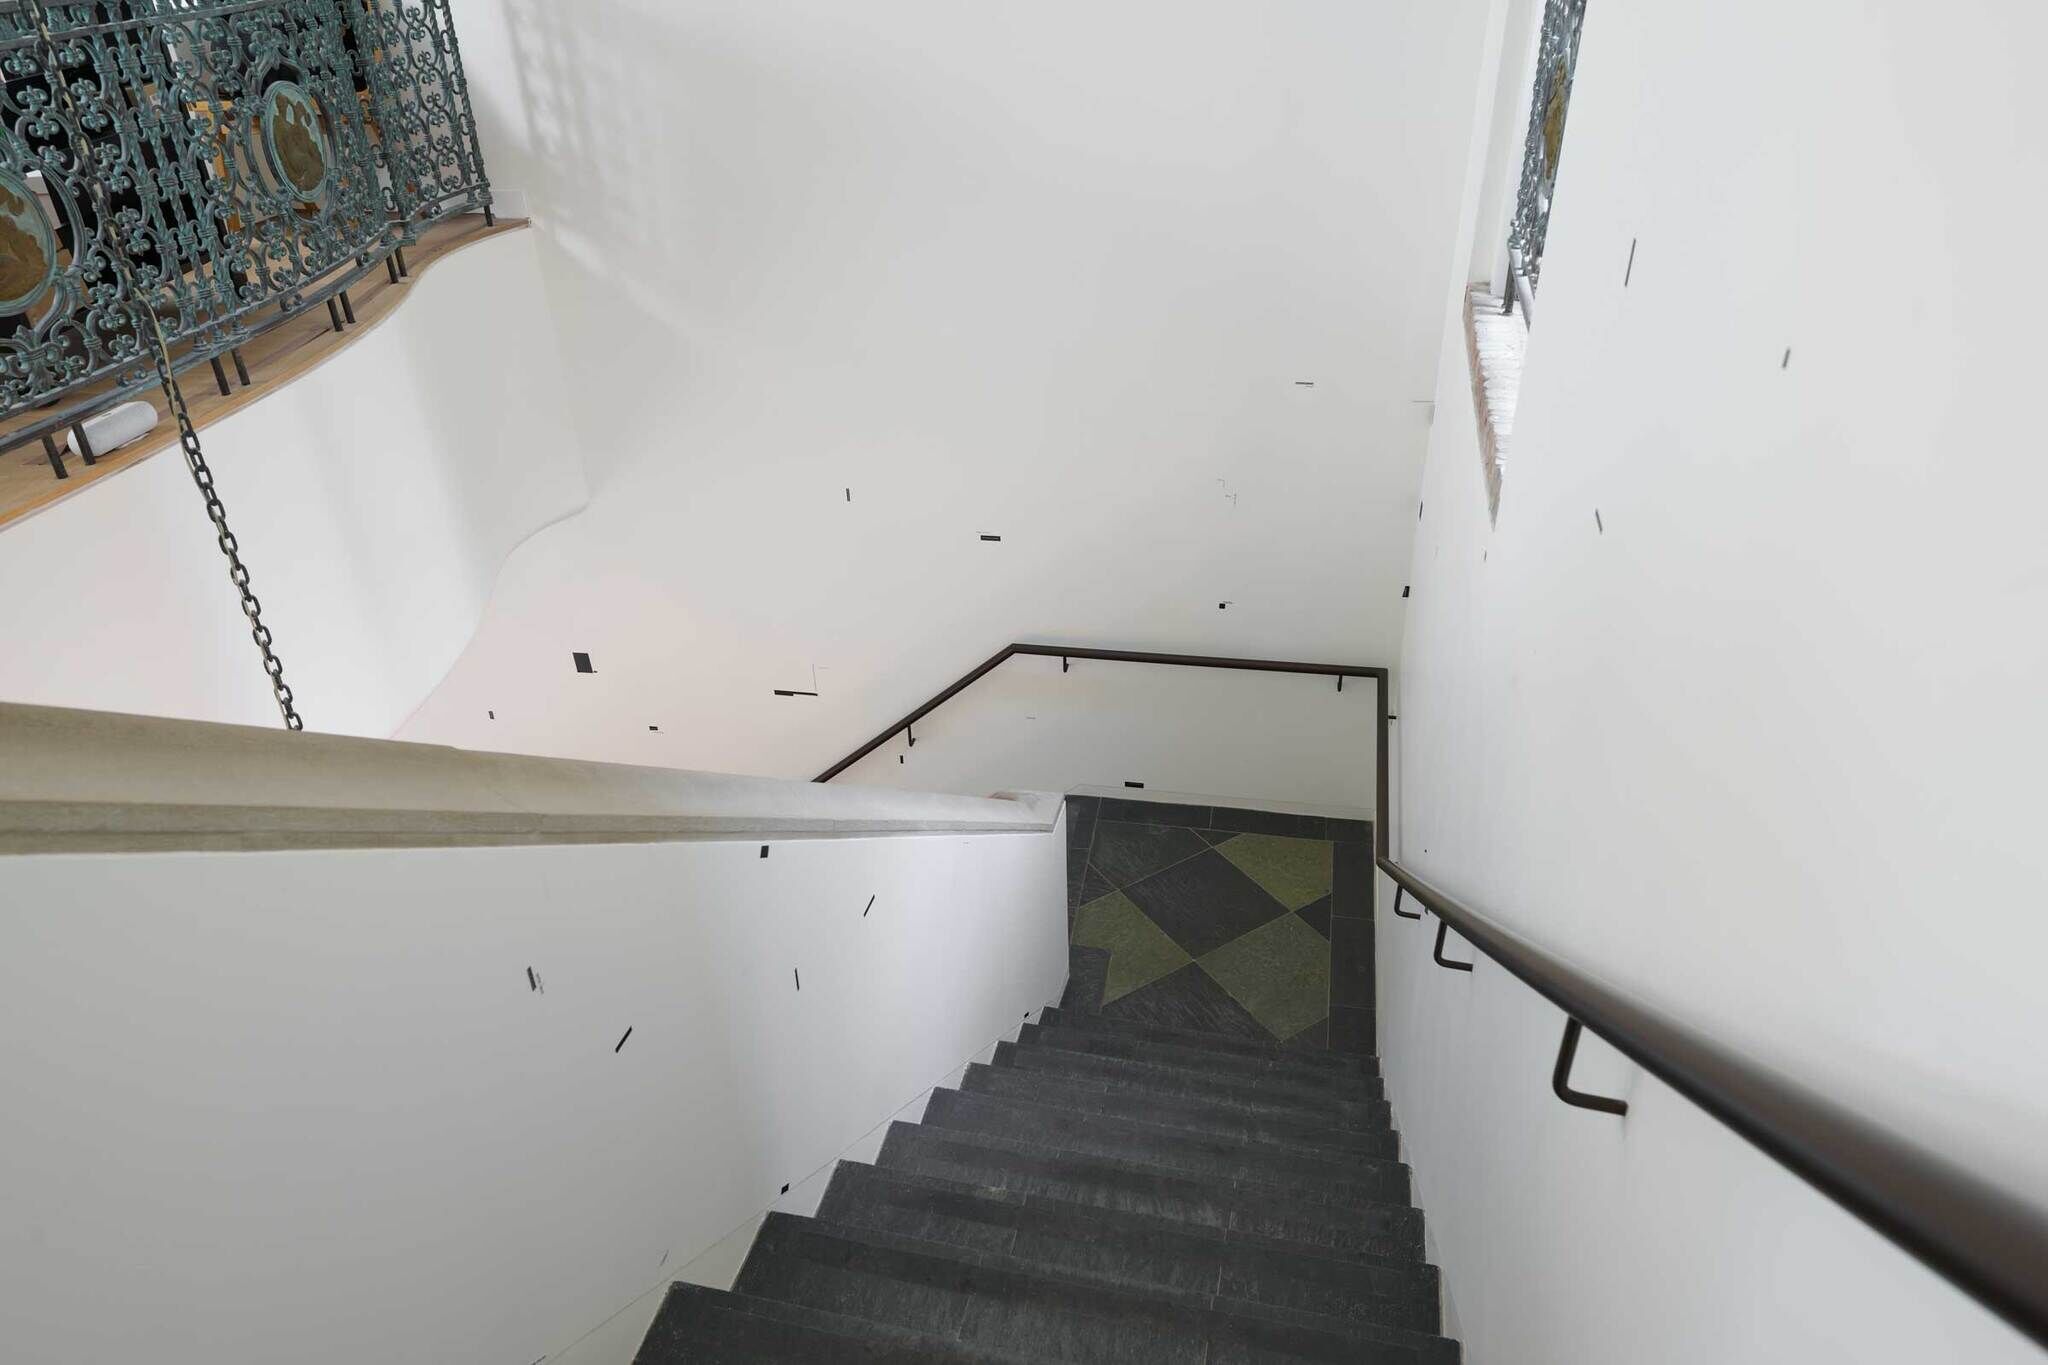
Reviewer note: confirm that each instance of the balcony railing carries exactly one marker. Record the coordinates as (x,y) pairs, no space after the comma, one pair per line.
(247,159)
(1557,57)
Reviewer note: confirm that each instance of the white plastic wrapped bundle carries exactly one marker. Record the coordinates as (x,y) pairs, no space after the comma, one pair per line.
(116,427)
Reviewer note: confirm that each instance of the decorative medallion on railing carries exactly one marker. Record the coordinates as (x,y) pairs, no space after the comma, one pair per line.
(1557,57)
(258,156)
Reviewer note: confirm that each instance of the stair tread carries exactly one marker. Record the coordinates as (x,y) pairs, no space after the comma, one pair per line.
(1278,1068)
(979,1298)
(1264,1097)
(1204,1116)
(1082,1021)
(1335,1178)
(699,1326)
(1387,1231)
(1141,1252)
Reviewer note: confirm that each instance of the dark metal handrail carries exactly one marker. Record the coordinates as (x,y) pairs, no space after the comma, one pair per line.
(1127,656)
(1984,1240)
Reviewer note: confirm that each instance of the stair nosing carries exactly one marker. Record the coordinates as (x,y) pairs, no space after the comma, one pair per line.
(1086,1022)
(1380,1166)
(1273,1198)
(1191,1058)
(1280,1099)
(978,1072)
(1162,1305)
(1426,1274)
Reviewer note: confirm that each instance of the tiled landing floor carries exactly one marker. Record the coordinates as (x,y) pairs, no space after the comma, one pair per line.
(1237,921)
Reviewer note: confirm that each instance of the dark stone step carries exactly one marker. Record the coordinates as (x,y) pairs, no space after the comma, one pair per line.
(984,1302)
(698,1326)
(1271,1217)
(1343,1063)
(1087,970)
(1152,1255)
(1259,1096)
(1191,1299)
(1309,1135)
(1282,1069)
(1323,1177)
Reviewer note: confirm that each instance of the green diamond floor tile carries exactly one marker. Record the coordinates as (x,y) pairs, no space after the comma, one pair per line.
(1295,872)
(1280,973)
(1140,952)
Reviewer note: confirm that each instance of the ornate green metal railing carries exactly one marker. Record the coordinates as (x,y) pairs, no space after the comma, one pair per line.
(1557,57)
(254,157)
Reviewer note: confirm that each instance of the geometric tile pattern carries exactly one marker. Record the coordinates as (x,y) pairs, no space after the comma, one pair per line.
(1295,871)
(1280,973)
(1140,952)
(1217,918)
(1204,902)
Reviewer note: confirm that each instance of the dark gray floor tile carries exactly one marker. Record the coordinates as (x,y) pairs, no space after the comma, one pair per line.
(1351,1030)
(1351,831)
(1351,963)
(1217,836)
(1124,853)
(1351,878)
(1269,822)
(1094,886)
(1087,969)
(1318,916)
(1189,999)
(1077,875)
(1081,815)
(1156,813)
(1314,1038)
(1204,902)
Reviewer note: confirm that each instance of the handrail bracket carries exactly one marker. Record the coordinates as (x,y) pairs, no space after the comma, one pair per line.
(1561,1076)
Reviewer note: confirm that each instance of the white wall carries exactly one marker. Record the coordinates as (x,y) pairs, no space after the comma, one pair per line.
(374,498)
(1763,743)
(305,1106)
(1047,272)
(1264,739)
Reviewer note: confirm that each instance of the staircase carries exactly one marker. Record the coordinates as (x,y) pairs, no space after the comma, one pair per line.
(1103,1190)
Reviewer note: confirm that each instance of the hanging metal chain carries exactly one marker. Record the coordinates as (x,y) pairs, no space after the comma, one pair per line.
(166,374)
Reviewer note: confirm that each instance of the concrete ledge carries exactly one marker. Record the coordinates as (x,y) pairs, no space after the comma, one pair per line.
(98,782)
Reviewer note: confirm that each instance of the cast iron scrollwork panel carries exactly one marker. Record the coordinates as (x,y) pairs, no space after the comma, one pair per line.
(1557,56)
(253,151)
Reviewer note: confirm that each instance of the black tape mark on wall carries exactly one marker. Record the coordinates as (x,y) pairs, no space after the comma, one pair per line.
(533,981)
(1134,784)
(764,850)
(1627,274)
(799,977)
(790,692)
(1404,590)
(870,906)
(991,537)
(582,662)
(1599,523)
(1786,363)
(622,1039)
